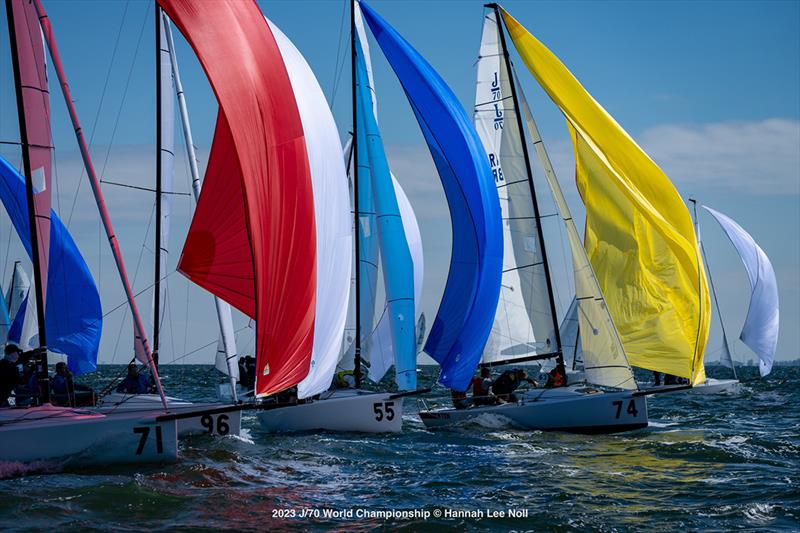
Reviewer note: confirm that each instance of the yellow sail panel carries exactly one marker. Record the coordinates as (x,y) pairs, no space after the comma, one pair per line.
(639,234)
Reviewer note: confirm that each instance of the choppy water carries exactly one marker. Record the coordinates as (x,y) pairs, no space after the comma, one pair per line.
(706,462)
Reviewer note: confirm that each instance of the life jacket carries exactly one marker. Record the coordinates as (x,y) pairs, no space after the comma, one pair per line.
(477,387)
(557,379)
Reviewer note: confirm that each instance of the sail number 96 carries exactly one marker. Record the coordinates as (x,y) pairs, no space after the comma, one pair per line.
(631,410)
(383,410)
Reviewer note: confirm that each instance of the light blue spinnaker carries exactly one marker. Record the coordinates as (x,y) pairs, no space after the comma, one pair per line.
(5,320)
(74,317)
(398,269)
(465,316)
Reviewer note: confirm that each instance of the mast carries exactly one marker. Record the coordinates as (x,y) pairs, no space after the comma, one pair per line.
(713,290)
(357,350)
(41,352)
(140,339)
(157,248)
(546,264)
(223,309)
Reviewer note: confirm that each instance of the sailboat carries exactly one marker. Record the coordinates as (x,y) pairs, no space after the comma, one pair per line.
(196,418)
(525,326)
(760,330)
(47,432)
(380,226)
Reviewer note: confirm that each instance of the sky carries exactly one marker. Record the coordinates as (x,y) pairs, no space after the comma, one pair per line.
(711,90)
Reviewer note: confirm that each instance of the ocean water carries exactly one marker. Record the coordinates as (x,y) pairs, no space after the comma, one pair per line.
(706,462)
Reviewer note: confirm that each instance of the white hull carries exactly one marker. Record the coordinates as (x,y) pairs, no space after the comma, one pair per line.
(221,424)
(49,433)
(711,386)
(342,410)
(573,409)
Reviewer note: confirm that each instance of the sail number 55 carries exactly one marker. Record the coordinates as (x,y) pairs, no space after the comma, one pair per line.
(383,410)
(631,410)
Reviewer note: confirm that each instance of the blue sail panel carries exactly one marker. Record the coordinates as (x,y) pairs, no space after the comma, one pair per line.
(398,268)
(464,320)
(367,244)
(73,317)
(5,320)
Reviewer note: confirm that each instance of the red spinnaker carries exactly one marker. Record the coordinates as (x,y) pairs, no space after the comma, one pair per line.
(252,240)
(36,102)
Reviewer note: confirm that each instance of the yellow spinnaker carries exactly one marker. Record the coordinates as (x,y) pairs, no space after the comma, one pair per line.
(639,234)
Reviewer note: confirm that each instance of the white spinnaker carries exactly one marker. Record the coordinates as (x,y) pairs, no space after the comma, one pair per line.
(17,290)
(760,330)
(523,324)
(604,359)
(167,167)
(332,212)
(381,351)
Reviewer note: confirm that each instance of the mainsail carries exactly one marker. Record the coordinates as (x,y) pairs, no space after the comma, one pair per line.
(73,317)
(760,330)
(524,325)
(36,102)
(464,319)
(252,240)
(18,289)
(332,212)
(639,233)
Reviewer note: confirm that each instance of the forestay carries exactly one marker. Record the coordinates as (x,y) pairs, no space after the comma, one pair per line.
(760,330)
(332,213)
(523,325)
(464,319)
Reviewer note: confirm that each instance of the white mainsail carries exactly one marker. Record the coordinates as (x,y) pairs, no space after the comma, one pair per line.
(17,289)
(760,330)
(523,325)
(604,359)
(332,212)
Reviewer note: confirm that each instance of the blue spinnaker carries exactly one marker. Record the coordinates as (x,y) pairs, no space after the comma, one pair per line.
(73,317)
(465,315)
(398,268)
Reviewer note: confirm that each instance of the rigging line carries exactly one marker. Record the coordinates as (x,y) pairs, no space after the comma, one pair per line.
(124,95)
(187,354)
(146,189)
(99,107)
(338,53)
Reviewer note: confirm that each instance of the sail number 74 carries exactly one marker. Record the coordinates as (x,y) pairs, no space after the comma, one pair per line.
(631,410)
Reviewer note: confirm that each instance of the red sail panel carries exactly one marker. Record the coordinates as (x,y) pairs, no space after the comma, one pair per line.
(36,102)
(257,196)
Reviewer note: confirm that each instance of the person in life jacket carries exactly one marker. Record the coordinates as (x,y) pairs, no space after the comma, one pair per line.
(460,400)
(556,378)
(344,380)
(482,388)
(509,381)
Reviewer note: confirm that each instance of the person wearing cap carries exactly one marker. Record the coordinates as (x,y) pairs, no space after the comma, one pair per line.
(134,382)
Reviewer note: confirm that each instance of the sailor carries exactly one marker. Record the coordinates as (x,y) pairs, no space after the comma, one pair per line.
(460,400)
(344,380)
(656,378)
(62,384)
(9,373)
(556,378)
(249,381)
(509,381)
(134,382)
(482,388)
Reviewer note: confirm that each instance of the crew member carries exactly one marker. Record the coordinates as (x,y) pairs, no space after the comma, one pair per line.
(509,381)
(9,373)
(482,388)
(134,382)
(556,378)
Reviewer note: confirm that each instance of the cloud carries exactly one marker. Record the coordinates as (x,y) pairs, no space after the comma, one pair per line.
(752,157)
